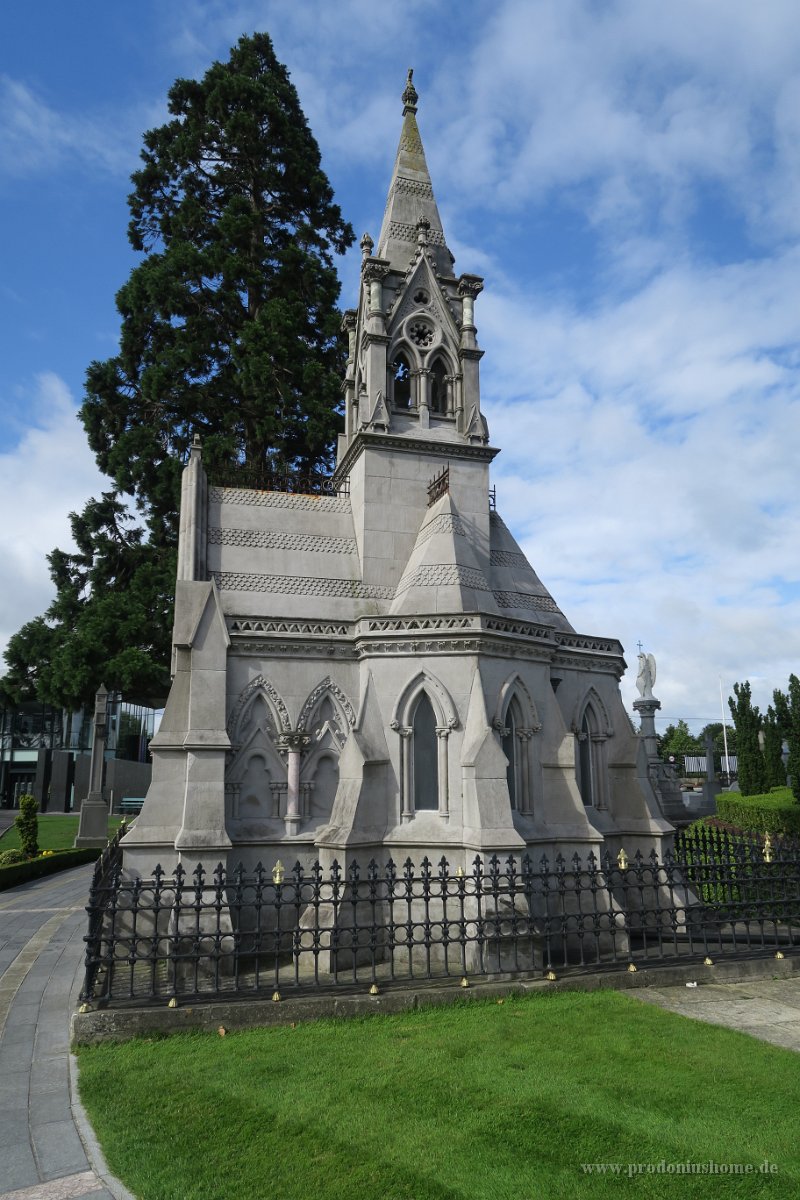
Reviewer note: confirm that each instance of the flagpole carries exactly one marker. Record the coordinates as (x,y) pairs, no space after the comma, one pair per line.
(724,732)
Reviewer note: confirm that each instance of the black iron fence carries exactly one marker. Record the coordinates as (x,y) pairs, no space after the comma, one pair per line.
(192,934)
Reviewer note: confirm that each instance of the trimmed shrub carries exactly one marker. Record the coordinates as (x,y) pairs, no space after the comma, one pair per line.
(27,823)
(774,812)
(34,868)
(9,857)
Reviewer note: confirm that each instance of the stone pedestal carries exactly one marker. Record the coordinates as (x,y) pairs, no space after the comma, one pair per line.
(93,827)
(662,776)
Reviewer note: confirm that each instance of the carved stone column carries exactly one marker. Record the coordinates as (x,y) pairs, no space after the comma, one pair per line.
(524,740)
(293,745)
(350,403)
(404,732)
(442,734)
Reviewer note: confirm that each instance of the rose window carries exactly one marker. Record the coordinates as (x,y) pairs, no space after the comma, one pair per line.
(421,334)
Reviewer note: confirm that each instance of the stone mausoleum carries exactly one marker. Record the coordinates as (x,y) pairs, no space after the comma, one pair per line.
(379,671)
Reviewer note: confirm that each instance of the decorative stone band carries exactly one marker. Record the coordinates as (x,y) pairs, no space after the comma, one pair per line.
(526,600)
(444,523)
(442,623)
(300,585)
(506,558)
(250,496)
(442,575)
(408,233)
(415,624)
(246,625)
(411,142)
(413,187)
(579,641)
(269,539)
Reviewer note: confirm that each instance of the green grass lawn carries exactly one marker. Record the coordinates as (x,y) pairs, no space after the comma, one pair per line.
(57,831)
(483,1101)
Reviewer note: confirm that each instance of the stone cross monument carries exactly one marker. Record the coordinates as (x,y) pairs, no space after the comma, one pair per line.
(93,828)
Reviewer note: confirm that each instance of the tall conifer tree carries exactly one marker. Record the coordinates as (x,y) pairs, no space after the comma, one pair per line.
(752,770)
(229,330)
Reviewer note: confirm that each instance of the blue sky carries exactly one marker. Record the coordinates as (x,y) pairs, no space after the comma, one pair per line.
(625,176)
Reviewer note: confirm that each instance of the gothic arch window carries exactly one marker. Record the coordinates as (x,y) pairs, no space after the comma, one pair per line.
(592,730)
(513,724)
(517,721)
(424,758)
(259,706)
(586,765)
(400,381)
(423,719)
(324,725)
(255,774)
(437,384)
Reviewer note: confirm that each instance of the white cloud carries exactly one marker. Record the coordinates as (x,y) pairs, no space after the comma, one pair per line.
(36,137)
(649,466)
(49,473)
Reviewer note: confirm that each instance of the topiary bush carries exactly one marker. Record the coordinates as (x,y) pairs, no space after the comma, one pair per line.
(27,824)
(10,858)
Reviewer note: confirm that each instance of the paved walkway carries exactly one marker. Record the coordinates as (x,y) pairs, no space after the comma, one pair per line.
(768,1009)
(47,1150)
(43,1154)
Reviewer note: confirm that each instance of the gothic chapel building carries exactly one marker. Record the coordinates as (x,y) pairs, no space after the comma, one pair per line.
(379,671)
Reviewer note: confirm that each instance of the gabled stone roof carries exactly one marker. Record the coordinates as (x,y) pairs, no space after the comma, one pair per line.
(443,573)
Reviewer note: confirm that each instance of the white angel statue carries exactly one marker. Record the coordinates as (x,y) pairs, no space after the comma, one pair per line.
(647,676)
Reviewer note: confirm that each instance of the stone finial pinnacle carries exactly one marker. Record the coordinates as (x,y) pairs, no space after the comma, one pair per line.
(410,96)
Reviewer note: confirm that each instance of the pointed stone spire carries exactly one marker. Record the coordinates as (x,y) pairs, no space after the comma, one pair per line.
(411,199)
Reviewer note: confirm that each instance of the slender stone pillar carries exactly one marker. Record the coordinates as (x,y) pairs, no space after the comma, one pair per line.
(93,827)
(293,744)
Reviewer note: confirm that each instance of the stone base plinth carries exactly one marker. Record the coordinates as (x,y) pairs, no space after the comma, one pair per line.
(93,828)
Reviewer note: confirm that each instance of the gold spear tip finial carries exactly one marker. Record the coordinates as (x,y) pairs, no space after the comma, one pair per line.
(410,96)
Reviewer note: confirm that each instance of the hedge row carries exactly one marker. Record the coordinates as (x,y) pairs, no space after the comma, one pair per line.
(776,812)
(59,861)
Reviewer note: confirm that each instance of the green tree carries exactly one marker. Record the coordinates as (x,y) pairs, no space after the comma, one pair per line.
(677,740)
(230,330)
(787,709)
(752,772)
(229,325)
(717,737)
(107,622)
(773,742)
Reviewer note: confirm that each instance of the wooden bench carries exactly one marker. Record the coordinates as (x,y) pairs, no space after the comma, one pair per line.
(131,805)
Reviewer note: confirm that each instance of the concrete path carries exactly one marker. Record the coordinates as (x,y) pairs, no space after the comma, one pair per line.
(7,816)
(43,1131)
(768,1009)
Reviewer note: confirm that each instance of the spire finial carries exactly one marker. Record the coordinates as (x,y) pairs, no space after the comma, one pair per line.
(410,96)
